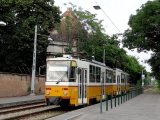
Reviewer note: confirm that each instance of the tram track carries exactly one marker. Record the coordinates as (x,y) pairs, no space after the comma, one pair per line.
(19,113)
(33,112)
(19,108)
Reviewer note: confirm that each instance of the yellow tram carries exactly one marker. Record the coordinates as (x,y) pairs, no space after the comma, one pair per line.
(76,82)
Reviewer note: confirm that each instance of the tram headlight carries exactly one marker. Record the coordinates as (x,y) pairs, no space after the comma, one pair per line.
(65,92)
(48,92)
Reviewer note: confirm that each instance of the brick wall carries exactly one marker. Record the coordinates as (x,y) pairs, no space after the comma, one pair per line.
(19,85)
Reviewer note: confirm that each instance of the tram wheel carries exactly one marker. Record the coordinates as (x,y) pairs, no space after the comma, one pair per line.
(91,102)
(64,104)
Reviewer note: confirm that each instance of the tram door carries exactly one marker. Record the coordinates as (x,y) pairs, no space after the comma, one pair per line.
(103,85)
(118,84)
(82,86)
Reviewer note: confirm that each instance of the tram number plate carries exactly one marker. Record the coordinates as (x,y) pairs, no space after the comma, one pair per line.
(57,91)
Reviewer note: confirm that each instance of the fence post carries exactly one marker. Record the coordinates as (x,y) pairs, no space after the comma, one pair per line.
(126,95)
(118,97)
(106,101)
(115,97)
(121,96)
(111,99)
(101,104)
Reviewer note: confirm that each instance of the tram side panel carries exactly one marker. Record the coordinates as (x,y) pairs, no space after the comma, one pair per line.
(109,88)
(94,83)
(109,81)
(73,94)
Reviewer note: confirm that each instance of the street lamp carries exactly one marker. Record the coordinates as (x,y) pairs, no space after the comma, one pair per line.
(2,23)
(143,76)
(97,7)
(34,63)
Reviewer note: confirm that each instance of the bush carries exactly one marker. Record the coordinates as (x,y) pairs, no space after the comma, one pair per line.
(29,89)
(158,84)
(139,83)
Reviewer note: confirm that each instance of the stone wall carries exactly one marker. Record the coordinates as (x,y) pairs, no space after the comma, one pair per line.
(12,85)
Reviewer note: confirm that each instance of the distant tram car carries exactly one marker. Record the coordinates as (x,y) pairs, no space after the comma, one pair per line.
(81,82)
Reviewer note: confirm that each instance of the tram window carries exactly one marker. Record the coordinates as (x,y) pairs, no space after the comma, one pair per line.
(114,79)
(97,70)
(111,80)
(85,76)
(109,76)
(98,78)
(127,79)
(73,75)
(92,73)
(91,78)
(90,69)
(97,75)
(122,78)
(94,70)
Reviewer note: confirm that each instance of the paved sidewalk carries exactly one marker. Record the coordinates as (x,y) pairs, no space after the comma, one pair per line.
(143,107)
(13,101)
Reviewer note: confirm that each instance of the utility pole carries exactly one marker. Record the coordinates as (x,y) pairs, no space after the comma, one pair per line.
(142,76)
(34,64)
(104,56)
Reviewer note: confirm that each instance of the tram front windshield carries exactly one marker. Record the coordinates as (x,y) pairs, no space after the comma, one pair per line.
(57,71)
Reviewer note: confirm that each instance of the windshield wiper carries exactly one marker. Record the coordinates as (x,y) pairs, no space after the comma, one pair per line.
(61,78)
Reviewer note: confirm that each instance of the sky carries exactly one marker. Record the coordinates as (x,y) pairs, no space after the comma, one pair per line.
(118,12)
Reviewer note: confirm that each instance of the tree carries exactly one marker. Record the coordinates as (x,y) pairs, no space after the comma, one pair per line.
(135,69)
(144,32)
(17,37)
(91,37)
(88,31)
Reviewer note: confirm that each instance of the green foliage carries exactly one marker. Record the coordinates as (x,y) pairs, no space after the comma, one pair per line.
(29,89)
(17,37)
(95,41)
(139,83)
(68,49)
(144,33)
(134,68)
(40,90)
(92,40)
(158,83)
(59,55)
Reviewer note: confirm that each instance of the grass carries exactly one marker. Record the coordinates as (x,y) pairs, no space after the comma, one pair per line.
(154,89)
